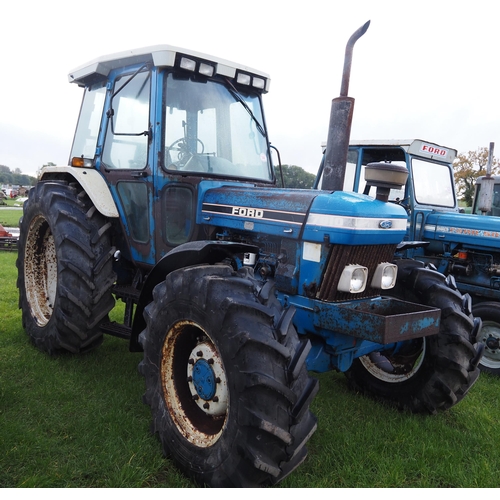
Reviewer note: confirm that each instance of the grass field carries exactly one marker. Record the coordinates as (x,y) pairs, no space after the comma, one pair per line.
(9,217)
(78,421)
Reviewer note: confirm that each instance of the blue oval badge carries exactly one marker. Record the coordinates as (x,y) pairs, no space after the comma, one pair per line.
(385,224)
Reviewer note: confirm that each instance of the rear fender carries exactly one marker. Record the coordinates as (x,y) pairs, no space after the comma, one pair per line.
(190,254)
(91,181)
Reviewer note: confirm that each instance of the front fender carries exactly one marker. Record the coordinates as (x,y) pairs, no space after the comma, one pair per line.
(186,255)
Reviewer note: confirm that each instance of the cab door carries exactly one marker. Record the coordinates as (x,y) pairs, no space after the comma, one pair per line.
(126,158)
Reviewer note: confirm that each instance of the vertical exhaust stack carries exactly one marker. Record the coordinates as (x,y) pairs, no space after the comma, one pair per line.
(485,200)
(339,130)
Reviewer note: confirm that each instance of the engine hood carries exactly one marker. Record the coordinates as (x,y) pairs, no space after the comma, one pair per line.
(345,218)
(474,231)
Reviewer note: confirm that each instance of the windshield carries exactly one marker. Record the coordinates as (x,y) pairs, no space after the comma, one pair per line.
(214,131)
(433,183)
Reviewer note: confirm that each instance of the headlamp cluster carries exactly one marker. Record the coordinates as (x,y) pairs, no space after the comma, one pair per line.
(354,278)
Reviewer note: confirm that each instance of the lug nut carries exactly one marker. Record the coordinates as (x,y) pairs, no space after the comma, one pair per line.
(206,406)
(199,354)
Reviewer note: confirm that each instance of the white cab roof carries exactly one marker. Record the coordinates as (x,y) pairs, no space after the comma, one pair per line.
(160,56)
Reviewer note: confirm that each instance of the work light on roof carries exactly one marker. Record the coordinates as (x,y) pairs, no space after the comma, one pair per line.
(206,69)
(187,64)
(259,83)
(244,79)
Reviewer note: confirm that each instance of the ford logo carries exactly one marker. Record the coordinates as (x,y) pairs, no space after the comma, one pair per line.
(385,224)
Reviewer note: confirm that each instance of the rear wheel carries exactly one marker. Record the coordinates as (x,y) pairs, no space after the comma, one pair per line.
(431,373)
(65,269)
(489,312)
(225,378)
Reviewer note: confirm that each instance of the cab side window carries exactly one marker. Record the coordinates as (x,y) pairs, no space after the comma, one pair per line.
(126,143)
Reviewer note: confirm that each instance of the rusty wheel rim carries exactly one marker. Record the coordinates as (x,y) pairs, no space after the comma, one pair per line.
(40,270)
(395,368)
(194,383)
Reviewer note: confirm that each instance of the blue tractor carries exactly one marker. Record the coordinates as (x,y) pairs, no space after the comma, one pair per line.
(234,288)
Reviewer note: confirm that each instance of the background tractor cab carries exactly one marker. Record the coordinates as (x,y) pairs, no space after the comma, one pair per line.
(492,208)
(430,186)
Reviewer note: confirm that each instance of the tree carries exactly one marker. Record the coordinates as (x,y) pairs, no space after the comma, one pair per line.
(295,177)
(15,177)
(468,167)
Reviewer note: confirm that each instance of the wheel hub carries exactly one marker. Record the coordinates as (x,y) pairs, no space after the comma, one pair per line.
(206,380)
(492,343)
(490,336)
(203,379)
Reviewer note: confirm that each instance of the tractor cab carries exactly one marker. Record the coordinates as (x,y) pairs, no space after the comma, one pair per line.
(157,121)
(494,206)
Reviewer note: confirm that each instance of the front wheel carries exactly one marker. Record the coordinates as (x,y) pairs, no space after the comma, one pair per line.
(432,373)
(489,312)
(226,378)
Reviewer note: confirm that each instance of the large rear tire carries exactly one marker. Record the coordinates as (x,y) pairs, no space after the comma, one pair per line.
(433,373)
(226,378)
(65,270)
(489,312)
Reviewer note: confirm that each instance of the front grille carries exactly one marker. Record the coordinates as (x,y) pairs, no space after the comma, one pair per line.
(340,256)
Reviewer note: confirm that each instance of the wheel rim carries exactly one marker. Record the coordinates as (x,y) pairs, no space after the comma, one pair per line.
(194,383)
(490,337)
(396,367)
(40,270)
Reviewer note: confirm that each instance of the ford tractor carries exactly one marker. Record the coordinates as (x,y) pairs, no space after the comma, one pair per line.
(439,233)
(234,289)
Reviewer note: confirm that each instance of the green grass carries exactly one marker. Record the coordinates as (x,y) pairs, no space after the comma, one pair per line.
(78,421)
(9,217)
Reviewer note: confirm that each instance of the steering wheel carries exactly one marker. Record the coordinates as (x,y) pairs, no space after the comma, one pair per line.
(183,153)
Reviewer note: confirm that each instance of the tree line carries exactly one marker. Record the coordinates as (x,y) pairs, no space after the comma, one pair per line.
(294,177)
(15,177)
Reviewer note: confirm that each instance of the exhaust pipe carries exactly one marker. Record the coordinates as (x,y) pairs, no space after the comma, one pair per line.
(485,200)
(339,130)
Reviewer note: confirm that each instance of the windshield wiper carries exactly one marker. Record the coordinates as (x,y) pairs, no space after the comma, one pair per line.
(240,99)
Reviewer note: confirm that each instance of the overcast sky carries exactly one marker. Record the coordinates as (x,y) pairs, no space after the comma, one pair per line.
(426,69)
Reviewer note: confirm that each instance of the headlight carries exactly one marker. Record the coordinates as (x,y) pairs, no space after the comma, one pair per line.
(353,279)
(385,276)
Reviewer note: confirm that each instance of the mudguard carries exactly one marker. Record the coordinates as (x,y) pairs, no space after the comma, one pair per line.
(190,254)
(92,182)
